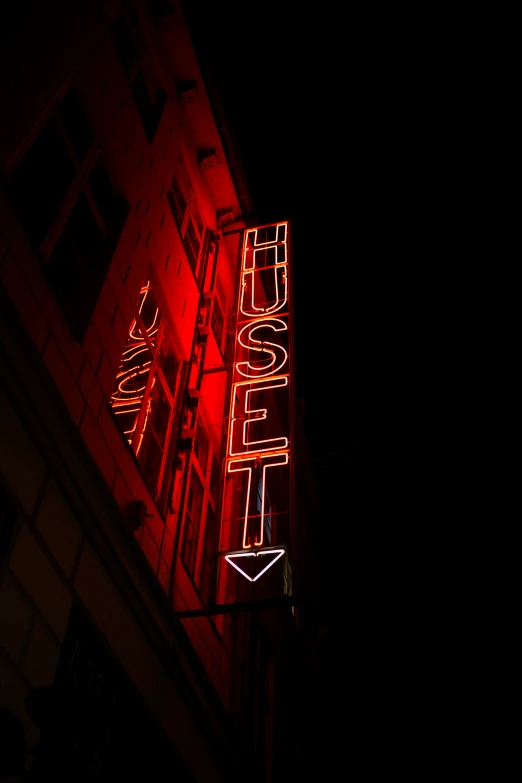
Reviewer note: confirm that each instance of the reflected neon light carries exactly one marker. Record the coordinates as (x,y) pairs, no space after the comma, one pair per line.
(134,371)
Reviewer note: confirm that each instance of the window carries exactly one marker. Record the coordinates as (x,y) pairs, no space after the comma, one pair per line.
(70,209)
(210,545)
(185,211)
(219,317)
(201,448)
(138,63)
(200,535)
(191,533)
(220,321)
(215,479)
(144,400)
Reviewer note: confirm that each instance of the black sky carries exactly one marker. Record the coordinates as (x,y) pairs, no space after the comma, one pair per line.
(341,119)
(347,121)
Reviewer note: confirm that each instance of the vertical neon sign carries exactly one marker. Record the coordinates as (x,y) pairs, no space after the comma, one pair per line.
(258,445)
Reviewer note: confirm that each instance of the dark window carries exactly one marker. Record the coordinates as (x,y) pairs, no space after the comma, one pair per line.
(215,479)
(185,211)
(123,41)
(201,447)
(77,266)
(193,242)
(177,203)
(210,545)
(7,524)
(201,531)
(138,64)
(103,193)
(39,185)
(191,533)
(218,314)
(70,209)
(76,125)
(230,342)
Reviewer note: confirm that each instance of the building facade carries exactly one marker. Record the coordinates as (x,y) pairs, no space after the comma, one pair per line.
(128,643)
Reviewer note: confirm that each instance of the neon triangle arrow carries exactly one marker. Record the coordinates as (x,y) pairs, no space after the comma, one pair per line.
(276,554)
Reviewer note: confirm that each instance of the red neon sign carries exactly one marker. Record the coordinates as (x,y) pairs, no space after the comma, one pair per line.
(259,432)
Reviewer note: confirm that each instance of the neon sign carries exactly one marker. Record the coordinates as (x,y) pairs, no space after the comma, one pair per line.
(258,444)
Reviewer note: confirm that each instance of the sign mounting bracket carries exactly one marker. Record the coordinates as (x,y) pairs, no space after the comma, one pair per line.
(279,602)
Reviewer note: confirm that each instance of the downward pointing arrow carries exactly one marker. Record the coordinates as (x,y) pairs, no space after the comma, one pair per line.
(239,556)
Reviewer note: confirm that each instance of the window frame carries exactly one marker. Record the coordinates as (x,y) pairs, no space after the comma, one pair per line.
(220,327)
(204,475)
(185,216)
(144,62)
(78,187)
(79,183)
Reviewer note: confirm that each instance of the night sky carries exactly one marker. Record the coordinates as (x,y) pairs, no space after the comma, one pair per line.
(347,123)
